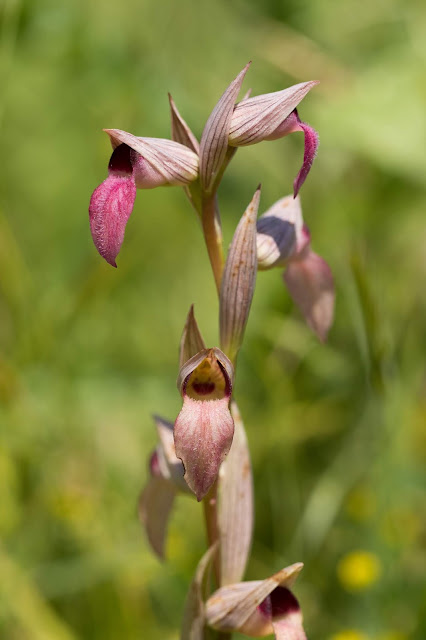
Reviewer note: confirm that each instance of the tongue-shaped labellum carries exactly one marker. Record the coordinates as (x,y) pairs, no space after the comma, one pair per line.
(290,125)
(111,205)
(204,428)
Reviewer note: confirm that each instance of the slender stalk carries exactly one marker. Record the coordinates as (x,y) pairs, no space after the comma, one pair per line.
(212,529)
(212,526)
(213,237)
(210,221)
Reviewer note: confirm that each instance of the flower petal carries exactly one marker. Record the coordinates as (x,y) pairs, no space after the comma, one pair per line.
(239,280)
(180,131)
(258,118)
(170,466)
(155,504)
(290,627)
(235,607)
(203,436)
(290,125)
(283,610)
(236,510)
(277,232)
(192,341)
(110,207)
(214,141)
(173,163)
(310,283)
(311,148)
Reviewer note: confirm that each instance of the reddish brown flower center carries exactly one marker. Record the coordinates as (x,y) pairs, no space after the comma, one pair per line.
(208,381)
(203,388)
(279,603)
(120,162)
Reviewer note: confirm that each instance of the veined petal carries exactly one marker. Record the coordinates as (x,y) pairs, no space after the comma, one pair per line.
(170,466)
(110,207)
(256,119)
(165,480)
(192,341)
(214,141)
(203,436)
(173,163)
(180,130)
(155,505)
(277,232)
(239,279)
(240,606)
(236,509)
(310,283)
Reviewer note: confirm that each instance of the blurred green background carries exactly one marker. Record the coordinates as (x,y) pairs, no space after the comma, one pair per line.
(88,353)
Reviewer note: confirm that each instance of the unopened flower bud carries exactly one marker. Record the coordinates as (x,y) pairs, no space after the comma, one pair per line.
(204,428)
(142,163)
(239,280)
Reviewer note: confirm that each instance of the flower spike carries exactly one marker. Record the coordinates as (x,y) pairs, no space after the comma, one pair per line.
(204,428)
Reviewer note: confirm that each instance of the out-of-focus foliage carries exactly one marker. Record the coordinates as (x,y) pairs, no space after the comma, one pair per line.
(87,353)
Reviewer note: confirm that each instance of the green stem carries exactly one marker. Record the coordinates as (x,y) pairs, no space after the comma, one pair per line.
(210,221)
(212,526)
(212,529)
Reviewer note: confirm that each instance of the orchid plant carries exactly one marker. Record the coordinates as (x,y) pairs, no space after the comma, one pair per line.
(205,451)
